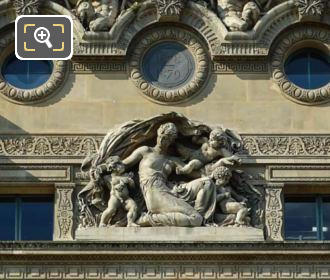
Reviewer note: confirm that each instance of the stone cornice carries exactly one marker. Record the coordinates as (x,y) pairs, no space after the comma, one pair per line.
(86,249)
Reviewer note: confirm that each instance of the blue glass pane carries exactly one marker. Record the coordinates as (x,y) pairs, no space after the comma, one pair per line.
(326,218)
(37,218)
(300,219)
(7,218)
(319,71)
(26,74)
(308,68)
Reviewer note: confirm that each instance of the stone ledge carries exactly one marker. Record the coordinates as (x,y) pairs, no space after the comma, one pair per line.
(180,234)
(103,249)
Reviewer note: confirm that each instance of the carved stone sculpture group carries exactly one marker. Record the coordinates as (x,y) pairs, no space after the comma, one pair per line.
(237,15)
(167,171)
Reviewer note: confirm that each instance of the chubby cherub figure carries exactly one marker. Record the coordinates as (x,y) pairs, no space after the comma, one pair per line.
(119,197)
(228,200)
(212,148)
(119,193)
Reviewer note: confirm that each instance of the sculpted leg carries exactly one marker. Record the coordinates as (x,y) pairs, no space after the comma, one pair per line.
(132,209)
(241,215)
(164,209)
(107,215)
(170,219)
(204,194)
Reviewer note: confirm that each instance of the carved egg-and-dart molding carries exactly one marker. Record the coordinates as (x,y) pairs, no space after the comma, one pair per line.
(35,95)
(299,37)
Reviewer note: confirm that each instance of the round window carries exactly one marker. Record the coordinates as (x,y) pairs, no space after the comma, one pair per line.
(308,68)
(26,74)
(168,65)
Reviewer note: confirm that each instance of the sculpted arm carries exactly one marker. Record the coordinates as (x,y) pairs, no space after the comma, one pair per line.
(135,157)
(227,159)
(199,140)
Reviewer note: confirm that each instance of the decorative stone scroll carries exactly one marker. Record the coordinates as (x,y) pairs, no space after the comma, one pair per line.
(48,145)
(286,145)
(180,69)
(274,212)
(83,145)
(282,49)
(63,229)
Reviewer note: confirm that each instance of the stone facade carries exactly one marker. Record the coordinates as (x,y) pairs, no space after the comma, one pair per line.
(225,69)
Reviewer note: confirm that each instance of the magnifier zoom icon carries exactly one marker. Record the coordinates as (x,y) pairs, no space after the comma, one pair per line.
(41,35)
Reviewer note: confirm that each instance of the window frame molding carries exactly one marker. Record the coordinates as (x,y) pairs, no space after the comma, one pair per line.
(35,95)
(298,37)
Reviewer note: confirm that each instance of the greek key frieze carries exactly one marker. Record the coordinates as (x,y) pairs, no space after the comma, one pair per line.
(187,270)
(240,67)
(97,66)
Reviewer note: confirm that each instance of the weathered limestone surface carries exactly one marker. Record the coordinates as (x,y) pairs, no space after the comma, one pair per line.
(165,234)
(92,103)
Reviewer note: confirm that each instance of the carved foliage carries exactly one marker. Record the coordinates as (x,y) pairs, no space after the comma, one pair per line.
(27,7)
(64,211)
(274,214)
(178,94)
(310,7)
(83,145)
(170,8)
(25,145)
(286,145)
(290,90)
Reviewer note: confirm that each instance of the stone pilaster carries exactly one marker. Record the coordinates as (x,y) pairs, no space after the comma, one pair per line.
(63,225)
(274,211)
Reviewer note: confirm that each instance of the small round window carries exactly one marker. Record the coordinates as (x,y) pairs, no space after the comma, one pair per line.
(308,68)
(26,74)
(168,65)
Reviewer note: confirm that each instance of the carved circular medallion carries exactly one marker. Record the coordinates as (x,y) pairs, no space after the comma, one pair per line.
(299,38)
(169,65)
(34,95)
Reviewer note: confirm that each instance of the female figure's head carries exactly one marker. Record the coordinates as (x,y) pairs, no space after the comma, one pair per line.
(166,134)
